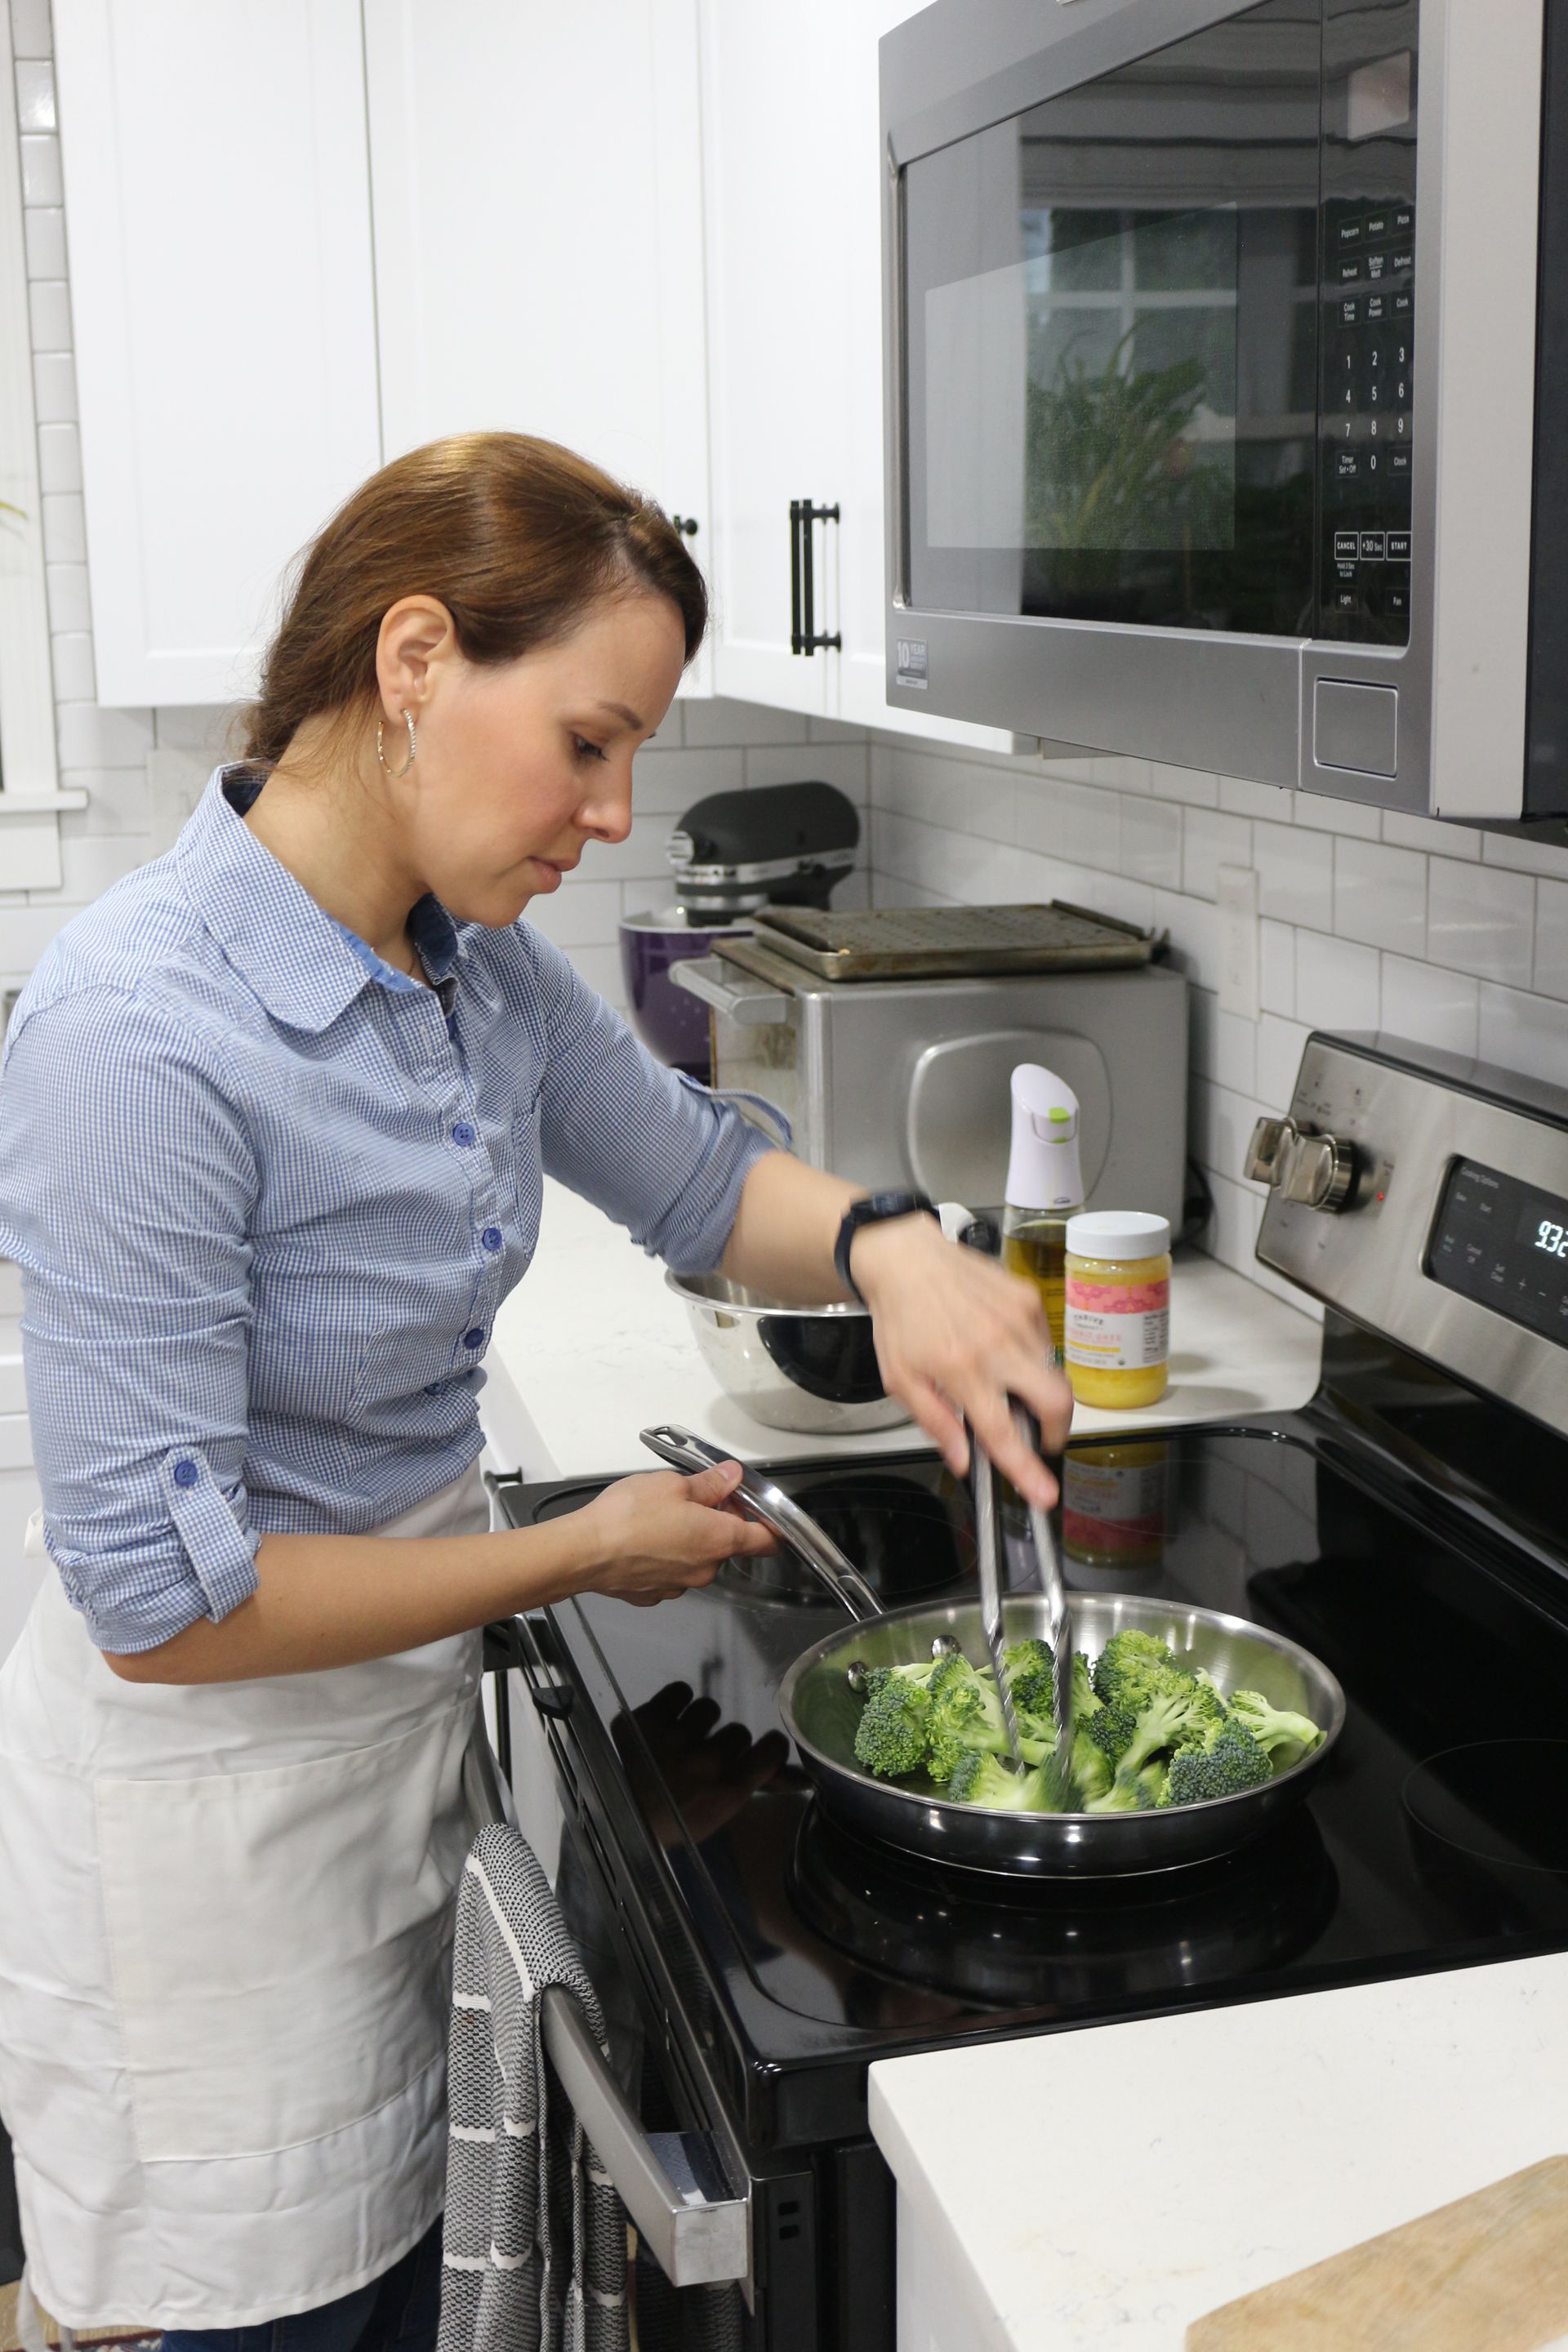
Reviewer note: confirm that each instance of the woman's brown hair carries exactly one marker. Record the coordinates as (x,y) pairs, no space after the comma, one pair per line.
(516,537)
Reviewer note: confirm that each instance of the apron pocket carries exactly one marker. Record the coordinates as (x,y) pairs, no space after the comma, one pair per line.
(280,1940)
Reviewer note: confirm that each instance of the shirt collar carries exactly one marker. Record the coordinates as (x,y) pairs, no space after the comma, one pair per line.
(305,967)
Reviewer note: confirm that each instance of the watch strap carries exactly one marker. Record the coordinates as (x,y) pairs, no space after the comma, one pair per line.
(879,1209)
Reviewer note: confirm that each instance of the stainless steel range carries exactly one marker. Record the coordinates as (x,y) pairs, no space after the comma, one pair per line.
(1407,1527)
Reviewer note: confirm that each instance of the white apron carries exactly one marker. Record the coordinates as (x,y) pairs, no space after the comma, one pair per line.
(226,1920)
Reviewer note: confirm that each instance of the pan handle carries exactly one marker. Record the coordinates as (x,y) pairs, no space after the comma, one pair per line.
(793,1528)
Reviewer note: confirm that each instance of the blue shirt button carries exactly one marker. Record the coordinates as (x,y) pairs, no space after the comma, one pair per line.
(492,1237)
(186,1474)
(474,1339)
(464,1133)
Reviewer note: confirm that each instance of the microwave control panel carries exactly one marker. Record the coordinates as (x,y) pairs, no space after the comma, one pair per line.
(1367,325)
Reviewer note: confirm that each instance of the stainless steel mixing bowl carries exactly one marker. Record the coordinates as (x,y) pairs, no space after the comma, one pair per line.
(821,1712)
(798,1368)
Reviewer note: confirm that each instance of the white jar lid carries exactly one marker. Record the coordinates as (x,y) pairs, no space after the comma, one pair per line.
(1118,1233)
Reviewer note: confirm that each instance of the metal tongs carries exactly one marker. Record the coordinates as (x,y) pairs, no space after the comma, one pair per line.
(976,1234)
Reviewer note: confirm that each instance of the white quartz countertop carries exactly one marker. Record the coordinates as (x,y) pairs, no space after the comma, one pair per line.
(590,1347)
(1207,2153)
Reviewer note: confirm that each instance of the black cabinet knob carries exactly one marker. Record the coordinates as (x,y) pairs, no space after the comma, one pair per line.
(684,524)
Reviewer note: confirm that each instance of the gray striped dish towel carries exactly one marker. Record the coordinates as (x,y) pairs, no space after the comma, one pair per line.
(535,2236)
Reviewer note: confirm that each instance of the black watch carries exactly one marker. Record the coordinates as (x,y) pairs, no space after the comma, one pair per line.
(877,1210)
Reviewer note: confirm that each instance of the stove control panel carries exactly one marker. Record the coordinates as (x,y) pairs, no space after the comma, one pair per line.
(1457,1177)
(1319,1170)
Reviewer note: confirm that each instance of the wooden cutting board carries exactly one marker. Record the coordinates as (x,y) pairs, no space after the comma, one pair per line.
(1489,2274)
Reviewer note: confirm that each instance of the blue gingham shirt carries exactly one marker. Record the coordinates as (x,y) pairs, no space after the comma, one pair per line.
(267,1194)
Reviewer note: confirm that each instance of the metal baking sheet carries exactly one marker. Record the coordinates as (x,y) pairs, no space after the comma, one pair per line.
(951,942)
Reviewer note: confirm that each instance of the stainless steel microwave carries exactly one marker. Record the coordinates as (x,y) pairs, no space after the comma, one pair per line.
(1226,381)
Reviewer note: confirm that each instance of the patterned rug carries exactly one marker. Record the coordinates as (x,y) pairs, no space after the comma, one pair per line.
(135,2339)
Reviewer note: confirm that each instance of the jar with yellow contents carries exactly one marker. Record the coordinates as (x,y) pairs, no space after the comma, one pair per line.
(1118,1306)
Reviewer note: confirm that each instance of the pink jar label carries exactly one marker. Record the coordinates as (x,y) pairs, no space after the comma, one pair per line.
(1116,1327)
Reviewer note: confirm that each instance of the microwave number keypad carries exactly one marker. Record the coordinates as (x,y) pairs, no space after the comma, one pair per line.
(1369,351)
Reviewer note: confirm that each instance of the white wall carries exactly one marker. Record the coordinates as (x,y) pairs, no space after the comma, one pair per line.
(1445,936)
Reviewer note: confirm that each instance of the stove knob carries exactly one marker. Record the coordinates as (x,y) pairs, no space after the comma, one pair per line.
(1317,1171)
(1263,1153)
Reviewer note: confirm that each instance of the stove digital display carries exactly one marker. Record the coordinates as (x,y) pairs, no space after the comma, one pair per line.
(1505,1244)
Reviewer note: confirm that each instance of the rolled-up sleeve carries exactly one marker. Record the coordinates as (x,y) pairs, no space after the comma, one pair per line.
(126,1188)
(658,1152)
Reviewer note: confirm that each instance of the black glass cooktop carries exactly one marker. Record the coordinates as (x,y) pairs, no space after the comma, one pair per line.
(1437,1836)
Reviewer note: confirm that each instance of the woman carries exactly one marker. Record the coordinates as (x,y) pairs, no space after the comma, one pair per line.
(273,1125)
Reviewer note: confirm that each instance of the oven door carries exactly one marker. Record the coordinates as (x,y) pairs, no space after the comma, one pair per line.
(1159,294)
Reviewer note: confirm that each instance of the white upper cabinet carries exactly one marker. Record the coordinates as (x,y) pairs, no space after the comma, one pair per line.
(538,204)
(217,205)
(793,200)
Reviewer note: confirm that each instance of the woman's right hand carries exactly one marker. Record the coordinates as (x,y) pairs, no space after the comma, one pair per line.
(655,1536)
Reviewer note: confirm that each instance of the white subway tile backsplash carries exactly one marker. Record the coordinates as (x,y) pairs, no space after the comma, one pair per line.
(119,801)
(49,310)
(946,792)
(666,782)
(72,652)
(1275,804)
(724,725)
(60,458)
(1380,895)
(1338,986)
(1523,1033)
(1429,1006)
(90,867)
(1276,967)
(1279,1044)
(54,387)
(1551,967)
(1188,785)
(65,528)
(1525,854)
(70,607)
(1194,927)
(1223,1044)
(585,914)
(1075,822)
(1480,918)
(640,858)
(44,233)
(1233,1234)
(1152,841)
(35,94)
(24,933)
(1209,840)
(601,968)
(847,765)
(1427,833)
(41,169)
(1321,814)
(834,730)
(90,737)
(1294,874)
(31,30)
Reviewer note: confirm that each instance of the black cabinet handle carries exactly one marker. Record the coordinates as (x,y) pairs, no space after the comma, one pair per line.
(685,525)
(804,635)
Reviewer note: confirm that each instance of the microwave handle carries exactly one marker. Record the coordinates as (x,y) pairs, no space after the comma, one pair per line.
(670,2182)
(753,1002)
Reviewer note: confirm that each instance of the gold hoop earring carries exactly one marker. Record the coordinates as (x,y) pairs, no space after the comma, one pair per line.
(413,746)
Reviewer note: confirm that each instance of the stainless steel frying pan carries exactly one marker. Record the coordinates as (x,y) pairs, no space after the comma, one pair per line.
(821,1711)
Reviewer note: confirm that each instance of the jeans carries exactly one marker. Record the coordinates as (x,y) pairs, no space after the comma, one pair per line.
(399,2312)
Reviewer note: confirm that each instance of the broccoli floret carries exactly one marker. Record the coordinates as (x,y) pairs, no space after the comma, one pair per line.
(1134,1668)
(1110,1728)
(982,1779)
(891,1737)
(1221,1767)
(1085,1701)
(1092,1769)
(1030,1668)
(966,1713)
(1128,1793)
(1284,1737)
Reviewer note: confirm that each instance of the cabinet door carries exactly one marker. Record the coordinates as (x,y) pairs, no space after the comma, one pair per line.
(217,204)
(862,670)
(775,292)
(538,206)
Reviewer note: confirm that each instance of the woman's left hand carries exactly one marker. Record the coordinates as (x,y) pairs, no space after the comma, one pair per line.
(956,1337)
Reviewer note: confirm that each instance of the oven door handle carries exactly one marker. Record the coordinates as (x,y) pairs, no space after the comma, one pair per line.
(749,1002)
(670,2182)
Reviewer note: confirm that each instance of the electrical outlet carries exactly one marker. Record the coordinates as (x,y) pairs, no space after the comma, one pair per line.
(1237,890)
